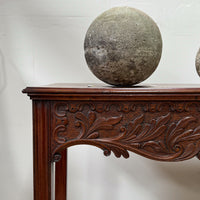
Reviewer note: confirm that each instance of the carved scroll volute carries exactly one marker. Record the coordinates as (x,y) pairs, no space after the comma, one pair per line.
(159,138)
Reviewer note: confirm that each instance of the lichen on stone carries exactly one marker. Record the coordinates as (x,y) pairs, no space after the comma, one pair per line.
(123,46)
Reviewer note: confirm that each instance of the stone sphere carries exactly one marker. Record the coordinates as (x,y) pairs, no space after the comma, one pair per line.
(198,62)
(123,46)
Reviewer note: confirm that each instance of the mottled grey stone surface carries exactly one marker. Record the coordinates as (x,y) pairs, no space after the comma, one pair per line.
(198,62)
(123,46)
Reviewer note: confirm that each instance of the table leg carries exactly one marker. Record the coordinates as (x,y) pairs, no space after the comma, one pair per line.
(61,177)
(41,151)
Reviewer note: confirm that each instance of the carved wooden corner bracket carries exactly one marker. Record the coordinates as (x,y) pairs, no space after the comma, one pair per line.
(160,138)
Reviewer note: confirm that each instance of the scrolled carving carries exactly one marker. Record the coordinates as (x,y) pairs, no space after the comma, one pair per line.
(174,143)
(61,122)
(159,137)
(58,131)
(90,131)
(62,108)
(57,157)
(138,131)
(172,107)
(145,137)
(90,125)
(151,107)
(126,107)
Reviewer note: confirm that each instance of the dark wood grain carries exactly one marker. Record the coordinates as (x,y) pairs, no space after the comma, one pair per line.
(164,131)
(42,153)
(61,177)
(160,122)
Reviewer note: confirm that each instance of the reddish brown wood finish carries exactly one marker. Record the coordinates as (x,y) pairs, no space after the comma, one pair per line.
(160,122)
(61,177)
(41,151)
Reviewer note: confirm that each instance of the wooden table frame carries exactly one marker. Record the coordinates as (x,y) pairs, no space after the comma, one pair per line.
(160,122)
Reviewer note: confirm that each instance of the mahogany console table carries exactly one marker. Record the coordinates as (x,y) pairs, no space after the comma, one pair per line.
(160,122)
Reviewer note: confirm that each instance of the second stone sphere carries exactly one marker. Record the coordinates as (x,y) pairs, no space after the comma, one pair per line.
(123,46)
(198,62)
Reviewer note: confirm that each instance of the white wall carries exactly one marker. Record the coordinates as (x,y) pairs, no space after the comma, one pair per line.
(41,42)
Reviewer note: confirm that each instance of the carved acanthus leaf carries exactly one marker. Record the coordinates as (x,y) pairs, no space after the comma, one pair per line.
(165,138)
(90,125)
(144,138)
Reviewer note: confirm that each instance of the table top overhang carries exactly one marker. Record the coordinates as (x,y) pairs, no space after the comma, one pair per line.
(91,91)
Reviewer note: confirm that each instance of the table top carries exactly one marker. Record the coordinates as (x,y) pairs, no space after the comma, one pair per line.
(96,90)
(103,88)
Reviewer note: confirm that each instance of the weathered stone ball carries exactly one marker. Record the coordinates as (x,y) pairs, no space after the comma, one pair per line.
(198,62)
(123,46)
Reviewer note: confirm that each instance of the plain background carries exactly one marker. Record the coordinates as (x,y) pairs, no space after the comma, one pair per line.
(41,42)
